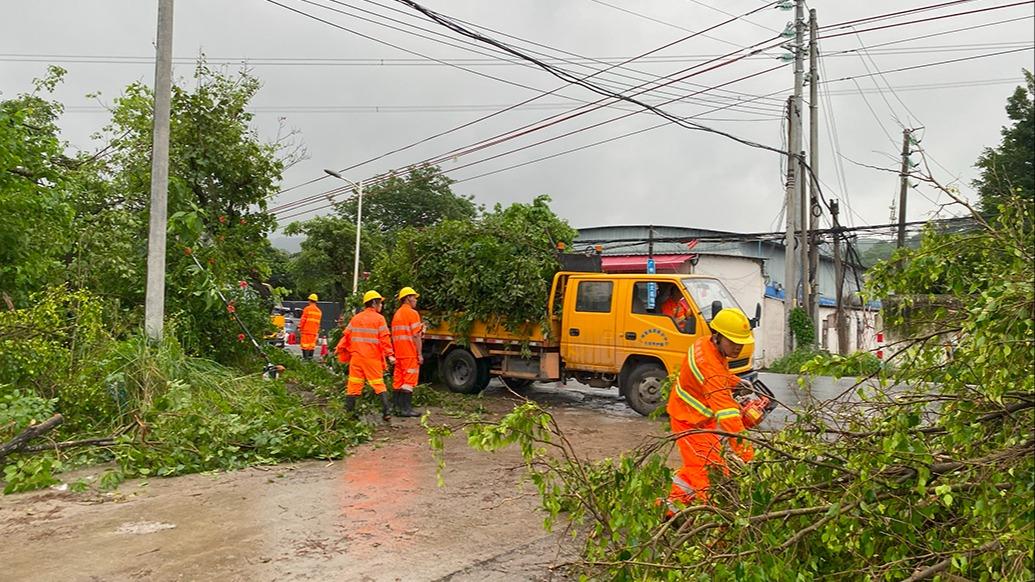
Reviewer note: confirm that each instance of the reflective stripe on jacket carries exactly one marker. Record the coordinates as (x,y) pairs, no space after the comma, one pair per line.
(406,326)
(703,394)
(366,336)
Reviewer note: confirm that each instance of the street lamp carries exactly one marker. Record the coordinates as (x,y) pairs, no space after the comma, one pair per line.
(359,223)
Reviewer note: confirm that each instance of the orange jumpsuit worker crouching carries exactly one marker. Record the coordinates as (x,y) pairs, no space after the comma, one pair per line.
(702,399)
(407,336)
(365,345)
(309,327)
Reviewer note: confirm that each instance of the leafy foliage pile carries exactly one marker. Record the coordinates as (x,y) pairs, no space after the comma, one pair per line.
(496,269)
(166,413)
(73,236)
(928,471)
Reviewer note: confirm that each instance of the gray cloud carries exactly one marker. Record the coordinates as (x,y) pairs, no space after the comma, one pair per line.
(665,176)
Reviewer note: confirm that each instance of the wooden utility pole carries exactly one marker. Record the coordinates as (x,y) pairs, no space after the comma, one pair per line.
(839,282)
(154,299)
(790,282)
(814,208)
(903,188)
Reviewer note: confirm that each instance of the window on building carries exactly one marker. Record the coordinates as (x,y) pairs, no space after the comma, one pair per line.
(594,296)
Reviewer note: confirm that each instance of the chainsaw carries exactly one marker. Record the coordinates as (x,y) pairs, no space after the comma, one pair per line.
(754,406)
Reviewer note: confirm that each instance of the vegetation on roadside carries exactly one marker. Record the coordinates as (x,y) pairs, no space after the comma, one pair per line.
(73,236)
(855,364)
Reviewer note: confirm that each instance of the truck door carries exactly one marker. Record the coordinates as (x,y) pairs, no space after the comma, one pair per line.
(666,331)
(588,325)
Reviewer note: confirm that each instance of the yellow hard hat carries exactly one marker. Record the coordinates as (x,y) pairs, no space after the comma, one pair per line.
(734,325)
(313,297)
(406,292)
(370,296)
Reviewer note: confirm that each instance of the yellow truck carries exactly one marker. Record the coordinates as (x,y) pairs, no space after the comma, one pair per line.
(605,330)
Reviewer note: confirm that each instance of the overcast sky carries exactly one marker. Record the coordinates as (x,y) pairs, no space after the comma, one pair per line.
(331,91)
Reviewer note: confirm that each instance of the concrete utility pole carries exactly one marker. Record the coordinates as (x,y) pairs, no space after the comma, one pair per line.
(903,187)
(358,186)
(839,281)
(154,299)
(790,283)
(815,211)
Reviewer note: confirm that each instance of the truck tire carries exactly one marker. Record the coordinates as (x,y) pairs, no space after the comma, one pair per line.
(461,372)
(643,388)
(518,385)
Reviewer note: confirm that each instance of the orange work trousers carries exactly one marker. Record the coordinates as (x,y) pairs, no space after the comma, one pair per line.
(365,370)
(406,374)
(308,341)
(698,451)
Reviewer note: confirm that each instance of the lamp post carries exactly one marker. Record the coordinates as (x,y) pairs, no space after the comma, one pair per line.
(359,223)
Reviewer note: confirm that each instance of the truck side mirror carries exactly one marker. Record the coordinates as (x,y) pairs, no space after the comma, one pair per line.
(758,316)
(716,307)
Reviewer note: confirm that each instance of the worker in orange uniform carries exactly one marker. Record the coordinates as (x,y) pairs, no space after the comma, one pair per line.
(365,345)
(702,399)
(407,335)
(309,327)
(676,307)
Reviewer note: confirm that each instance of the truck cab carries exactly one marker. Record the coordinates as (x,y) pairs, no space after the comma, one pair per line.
(633,331)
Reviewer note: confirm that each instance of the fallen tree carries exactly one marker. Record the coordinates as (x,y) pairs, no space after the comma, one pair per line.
(925,469)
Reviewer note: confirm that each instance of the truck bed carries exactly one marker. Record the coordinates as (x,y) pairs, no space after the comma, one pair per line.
(485,332)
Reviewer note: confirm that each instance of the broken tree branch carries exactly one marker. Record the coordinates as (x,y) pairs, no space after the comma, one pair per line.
(19,442)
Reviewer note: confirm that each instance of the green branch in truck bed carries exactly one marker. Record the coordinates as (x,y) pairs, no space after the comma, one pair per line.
(495,269)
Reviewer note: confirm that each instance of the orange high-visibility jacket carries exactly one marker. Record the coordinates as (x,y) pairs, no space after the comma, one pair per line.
(703,394)
(367,337)
(677,309)
(310,322)
(406,326)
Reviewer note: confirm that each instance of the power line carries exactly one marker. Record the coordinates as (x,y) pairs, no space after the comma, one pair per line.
(557,118)
(907,23)
(485,62)
(325,194)
(468,124)
(669,24)
(443,133)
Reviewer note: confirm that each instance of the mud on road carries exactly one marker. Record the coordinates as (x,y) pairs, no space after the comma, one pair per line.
(375,515)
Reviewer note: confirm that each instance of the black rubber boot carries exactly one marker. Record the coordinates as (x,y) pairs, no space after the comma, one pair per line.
(397,405)
(350,405)
(406,399)
(307,354)
(385,412)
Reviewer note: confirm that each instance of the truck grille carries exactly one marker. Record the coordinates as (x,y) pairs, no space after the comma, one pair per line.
(734,364)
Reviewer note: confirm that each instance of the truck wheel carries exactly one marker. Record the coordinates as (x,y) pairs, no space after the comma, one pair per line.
(643,388)
(516,384)
(461,372)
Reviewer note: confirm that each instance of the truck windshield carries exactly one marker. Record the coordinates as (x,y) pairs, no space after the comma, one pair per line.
(706,291)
